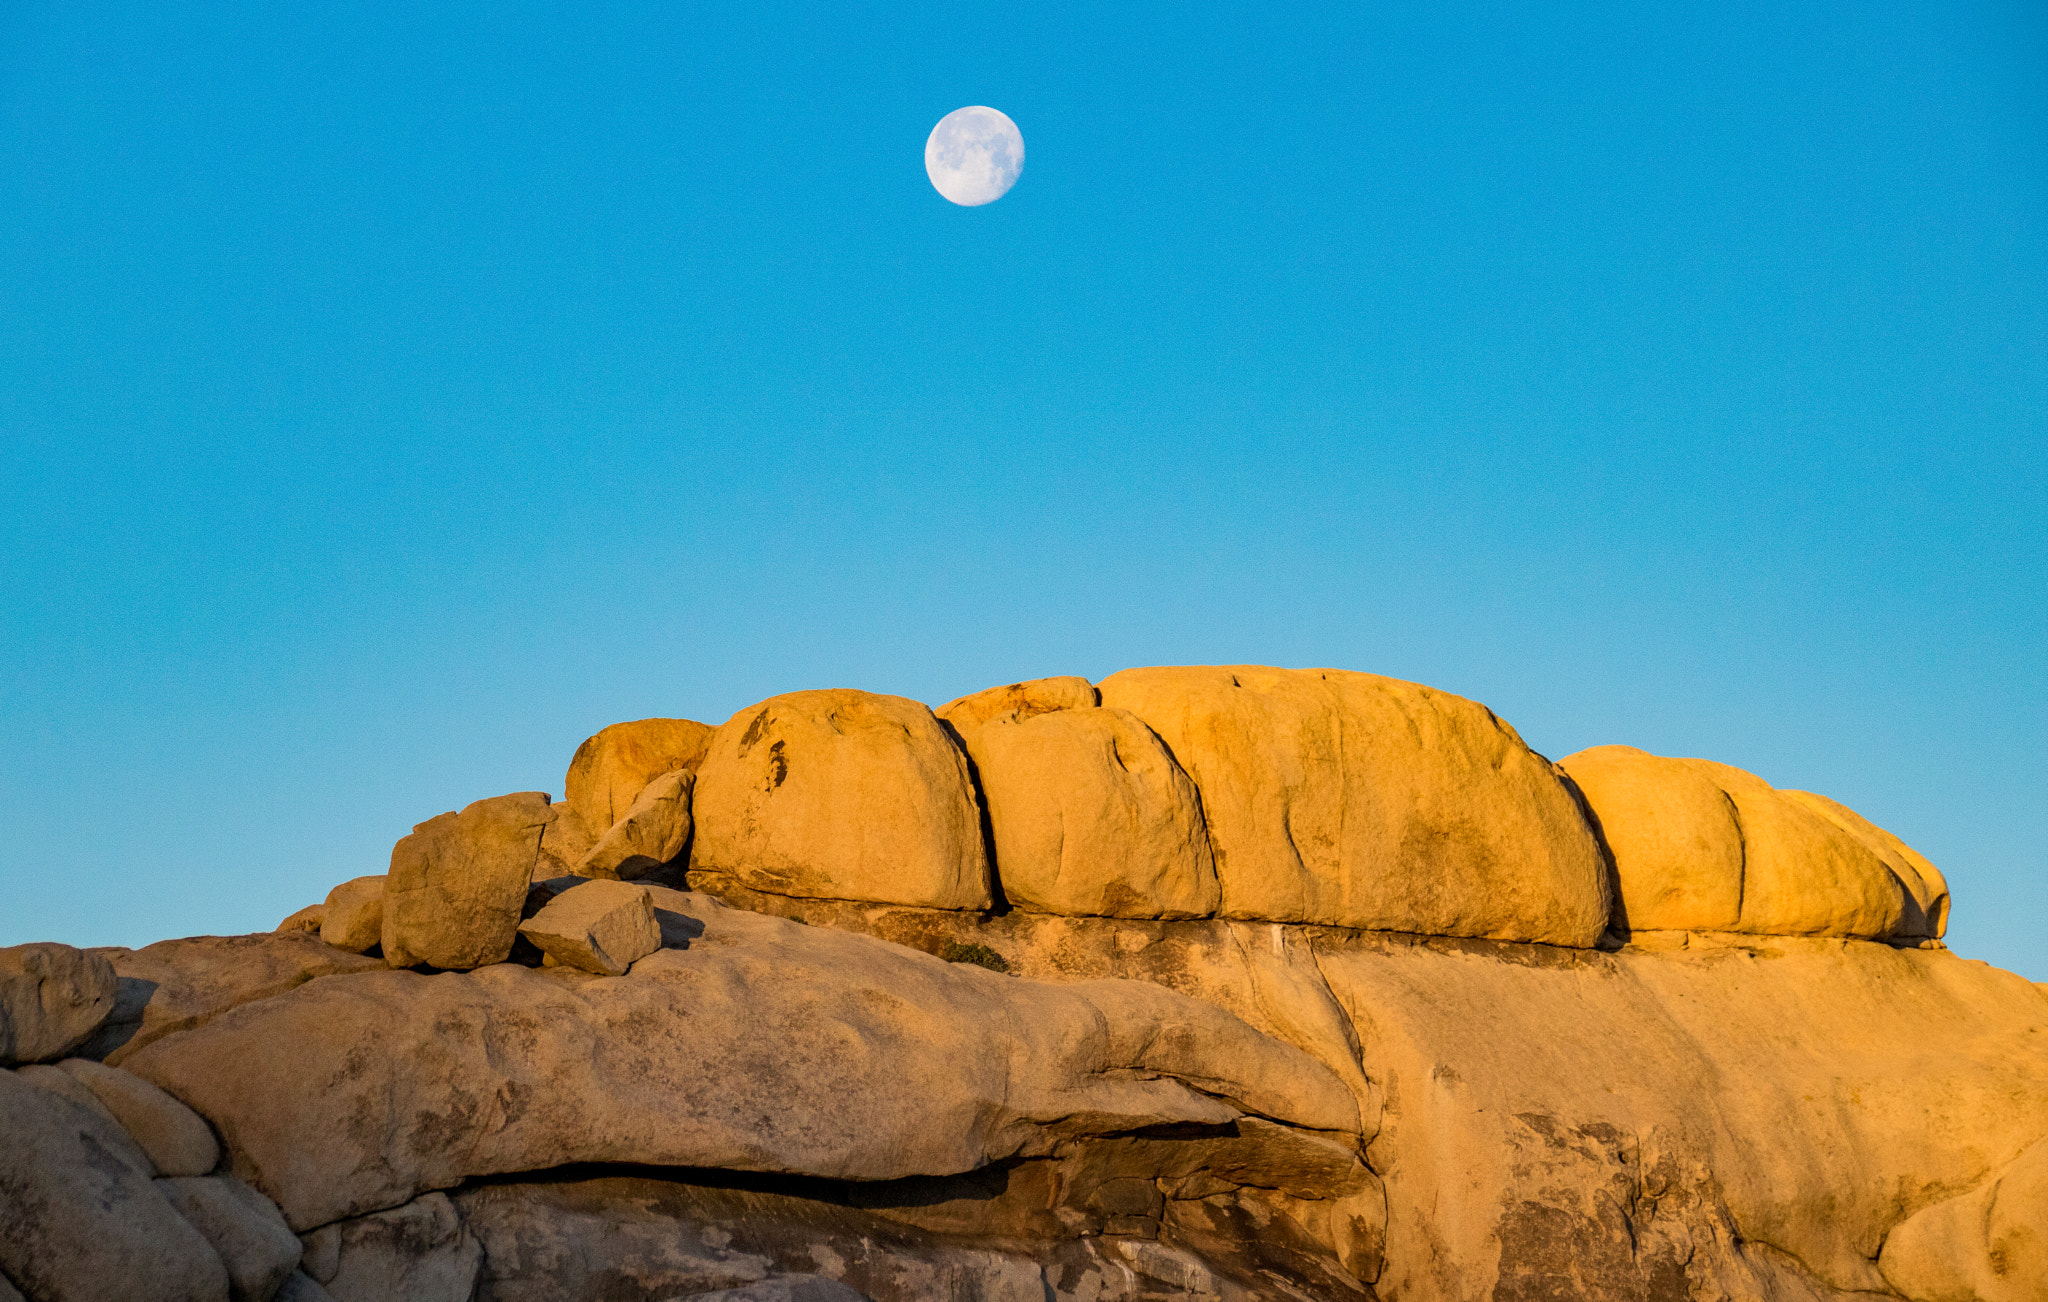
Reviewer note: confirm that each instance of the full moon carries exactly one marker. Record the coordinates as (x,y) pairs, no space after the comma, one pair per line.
(974,155)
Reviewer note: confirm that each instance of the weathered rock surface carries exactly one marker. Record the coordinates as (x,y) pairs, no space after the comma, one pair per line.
(1018,702)
(785,1288)
(354,915)
(1987,1245)
(1705,846)
(112,1135)
(612,768)
(177,1141)
(564,842)
(1090,815)
(1361,801)
(420,1252)
(52,998)
(599,926)
(82,1224)
(175,985)
(453,896)
(652,832)
(257,1248)
(841,795)
(666,1067)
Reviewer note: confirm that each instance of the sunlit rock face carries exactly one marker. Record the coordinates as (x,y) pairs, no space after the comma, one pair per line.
(1211,982)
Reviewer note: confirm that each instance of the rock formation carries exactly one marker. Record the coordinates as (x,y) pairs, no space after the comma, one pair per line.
(1216,983)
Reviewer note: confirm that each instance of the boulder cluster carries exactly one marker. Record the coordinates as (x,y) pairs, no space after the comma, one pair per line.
(1216,982)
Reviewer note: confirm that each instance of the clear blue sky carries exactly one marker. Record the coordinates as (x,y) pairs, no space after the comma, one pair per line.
(391,395)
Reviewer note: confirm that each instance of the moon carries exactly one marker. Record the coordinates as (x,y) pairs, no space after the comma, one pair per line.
(974,155)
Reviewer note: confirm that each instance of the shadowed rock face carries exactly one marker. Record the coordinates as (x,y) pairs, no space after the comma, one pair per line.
(1221,983)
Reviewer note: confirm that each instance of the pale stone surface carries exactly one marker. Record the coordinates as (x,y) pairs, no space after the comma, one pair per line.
(175,985)
(354,919)
(1090,815)
(652,832)
(1360,801)
(112,1135)
(1726,1116)
(52,998)
(308,919)
(613,767)
(841,795)
(662,1067)
(564,843)
(1987,1245)
(1702,846)
(246,1230)
(598,926)
(178,1141)
(1018,702)
(84,1225)
(453,896)
(419,1252)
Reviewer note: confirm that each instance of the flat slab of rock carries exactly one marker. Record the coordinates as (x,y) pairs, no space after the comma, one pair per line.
(82,1225)
(399,1082)
(52,998)
(453,896)
(353,918)
(597,926)
(652,832)
(612,768)
(842,795)
(1359,801)
(175,985)
(1092,816)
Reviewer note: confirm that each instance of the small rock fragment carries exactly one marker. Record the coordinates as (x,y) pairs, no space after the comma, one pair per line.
(354,918)
(177,1139)
(245,1228)
(653,831)
(599,926)
(52,998)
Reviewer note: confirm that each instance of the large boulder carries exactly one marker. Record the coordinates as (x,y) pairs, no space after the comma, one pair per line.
(52,998)
(650,834)
(611,769)
(1090,815)
(1358,801)
(1701,846)
(457,884)
(841,795)
(763,1046)
(1987,1245)
(81,1223)
(175,985)
(353,918)
(1018,702)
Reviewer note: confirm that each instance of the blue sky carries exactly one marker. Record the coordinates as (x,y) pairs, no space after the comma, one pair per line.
(390,396)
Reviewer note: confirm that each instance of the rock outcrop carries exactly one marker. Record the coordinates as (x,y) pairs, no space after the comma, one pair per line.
(1219,984)
(841,795)
(1358,801)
